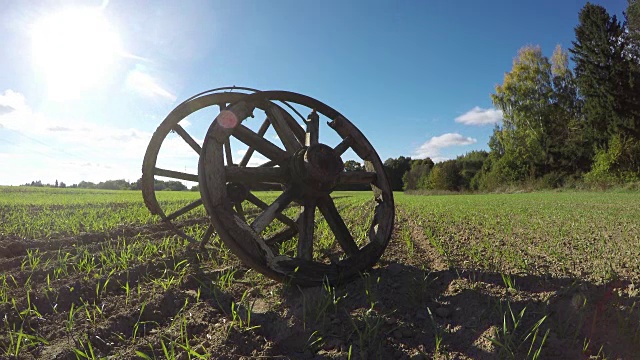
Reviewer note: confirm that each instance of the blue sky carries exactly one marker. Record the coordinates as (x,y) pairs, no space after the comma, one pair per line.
(84,84)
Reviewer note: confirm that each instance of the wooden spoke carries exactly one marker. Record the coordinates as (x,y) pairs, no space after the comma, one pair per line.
(261,132)
(298,131)
(269,163)
(184,210)
(359,143)
(222,106)
(253,175)
(257,142)
(207,236)
(271,212)
(281,236)
(227,152)
(285,133)
(187,138)
(306,227)
(343,236)
(175,174)
(262,205)
(377,191)
(240,211)
(313,128)
(343,146)
(357,177)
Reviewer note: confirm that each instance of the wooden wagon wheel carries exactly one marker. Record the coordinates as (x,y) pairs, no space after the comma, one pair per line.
(171,123)
(308,171)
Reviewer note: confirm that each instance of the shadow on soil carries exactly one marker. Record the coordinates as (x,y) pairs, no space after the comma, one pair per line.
(400,311)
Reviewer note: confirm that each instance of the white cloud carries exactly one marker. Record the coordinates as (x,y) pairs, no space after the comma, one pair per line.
(11,101)
(480,116)
(433,147)
(5,109)
(147,85)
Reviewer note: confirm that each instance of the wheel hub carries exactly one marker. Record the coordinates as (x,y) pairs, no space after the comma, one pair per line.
(316,168)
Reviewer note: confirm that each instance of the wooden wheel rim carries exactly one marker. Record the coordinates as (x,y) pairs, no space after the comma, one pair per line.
(170,123)
(248,244)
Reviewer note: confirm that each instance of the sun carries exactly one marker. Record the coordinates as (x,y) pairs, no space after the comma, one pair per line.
(74,50)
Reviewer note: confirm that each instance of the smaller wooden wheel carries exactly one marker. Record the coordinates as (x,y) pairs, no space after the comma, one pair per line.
(219,98)
(307,171)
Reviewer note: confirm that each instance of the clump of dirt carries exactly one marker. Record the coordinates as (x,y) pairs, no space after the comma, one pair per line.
(12,248)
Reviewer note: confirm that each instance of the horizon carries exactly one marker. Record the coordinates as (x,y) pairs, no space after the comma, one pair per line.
(414,78)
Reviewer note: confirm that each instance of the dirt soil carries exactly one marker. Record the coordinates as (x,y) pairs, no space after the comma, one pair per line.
(410,306)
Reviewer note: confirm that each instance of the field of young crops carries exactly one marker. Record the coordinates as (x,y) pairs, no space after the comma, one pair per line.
(90,274)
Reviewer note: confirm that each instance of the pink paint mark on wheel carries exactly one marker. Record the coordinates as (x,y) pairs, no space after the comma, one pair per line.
(227,119)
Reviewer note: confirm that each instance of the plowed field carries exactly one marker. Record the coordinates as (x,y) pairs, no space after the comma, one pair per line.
(91,274)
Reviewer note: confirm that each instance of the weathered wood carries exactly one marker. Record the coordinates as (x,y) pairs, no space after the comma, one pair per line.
(255,175)
(306,228)
(184,210)
(307,273)
(270,213)
(298,131)
(343,146)
(262,205)
(213,183)
(260,144)
(240,211)
(313,129)
(357,177)
(227,152)
(244,239)
(337,225)
(229,120)
(281,236)
(207,236)
(269,163)
(175,174)
(247,156)
(367,256)
(359,143)
(161,133)
(370,167)
(285,133)
(321,164)
(187,138)
(382,226)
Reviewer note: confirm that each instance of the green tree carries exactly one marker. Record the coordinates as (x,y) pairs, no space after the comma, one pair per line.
(86,185)
(416,177)
(603,75)
(120,184)
(352,165)
(445,176)
(568,149)
(174,186)
(396,168)
(470,165)
(524,97)
(632,38)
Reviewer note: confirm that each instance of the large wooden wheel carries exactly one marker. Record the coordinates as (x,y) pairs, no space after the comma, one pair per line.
(305,170)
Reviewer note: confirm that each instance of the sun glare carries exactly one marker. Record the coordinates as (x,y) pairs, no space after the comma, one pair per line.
(74,50)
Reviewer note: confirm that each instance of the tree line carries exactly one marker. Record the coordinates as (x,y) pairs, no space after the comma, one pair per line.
(120,184)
